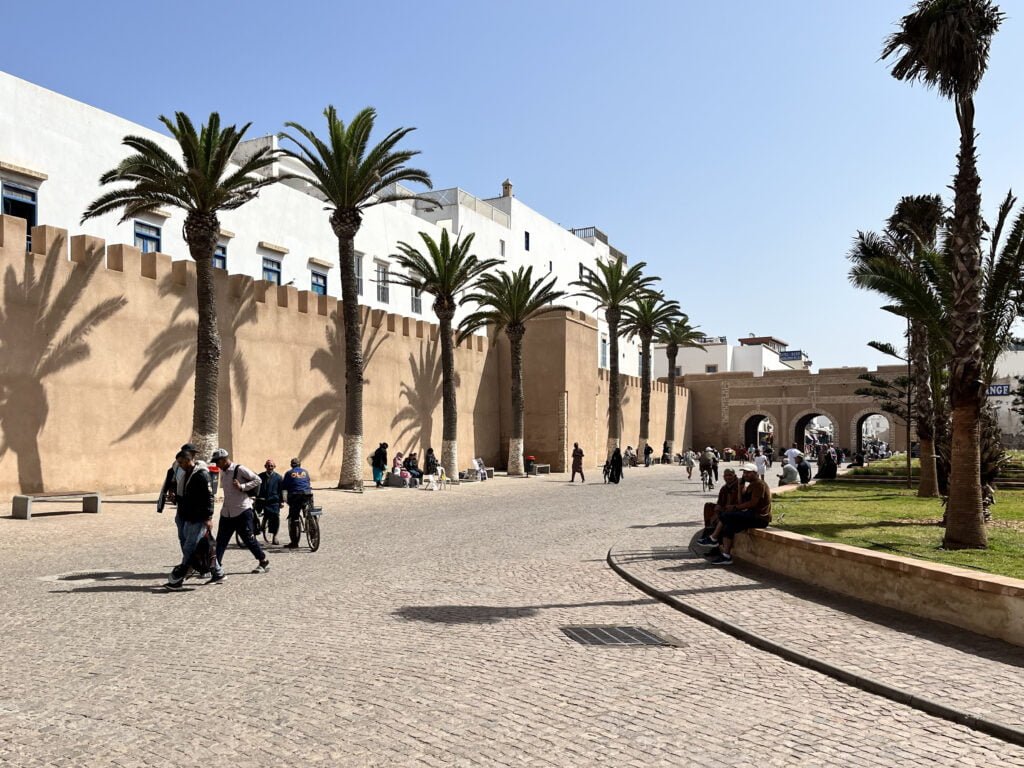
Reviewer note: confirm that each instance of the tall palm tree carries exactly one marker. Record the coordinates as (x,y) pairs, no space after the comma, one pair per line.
(444,270)
(508,300)
(675,336)
(352,176)
(914,226)
(945,44)
(925,290)
(646,317)
(612,286)
(203,184)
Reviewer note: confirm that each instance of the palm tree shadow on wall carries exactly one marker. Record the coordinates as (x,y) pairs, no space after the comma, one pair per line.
(179,338)
(326,412)
(33,347)
(422,396)
(624,400)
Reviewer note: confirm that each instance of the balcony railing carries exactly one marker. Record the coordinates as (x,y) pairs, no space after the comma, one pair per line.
(587,233)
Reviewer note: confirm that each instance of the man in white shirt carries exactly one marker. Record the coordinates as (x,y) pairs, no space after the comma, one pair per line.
(761,462)
(236,514)
(792,453)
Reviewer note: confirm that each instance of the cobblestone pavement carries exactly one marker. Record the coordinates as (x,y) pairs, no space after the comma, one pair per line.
(426,631)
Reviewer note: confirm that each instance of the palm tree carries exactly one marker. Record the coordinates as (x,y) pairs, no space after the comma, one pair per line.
(612,286)
(914,226)
(945,44)
(924,290)
(353,176)
(508,300)
(203,184)
(646,317)
(675,336)
(447,268)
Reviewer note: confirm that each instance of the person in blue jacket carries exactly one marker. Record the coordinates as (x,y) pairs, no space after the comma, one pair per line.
(298,489)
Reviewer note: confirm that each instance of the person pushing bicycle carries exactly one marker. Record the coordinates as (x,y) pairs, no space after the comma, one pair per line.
(298,491)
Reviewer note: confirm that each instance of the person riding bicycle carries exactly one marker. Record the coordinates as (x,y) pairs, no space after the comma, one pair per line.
(299,490)
(709,462)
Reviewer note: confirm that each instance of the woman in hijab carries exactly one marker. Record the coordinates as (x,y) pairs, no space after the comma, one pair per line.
(616,474)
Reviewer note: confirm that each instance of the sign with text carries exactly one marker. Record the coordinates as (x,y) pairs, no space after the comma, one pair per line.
(998,390)
(790,354)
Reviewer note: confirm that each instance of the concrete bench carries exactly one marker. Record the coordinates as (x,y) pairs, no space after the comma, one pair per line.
(22,507)
(542,469)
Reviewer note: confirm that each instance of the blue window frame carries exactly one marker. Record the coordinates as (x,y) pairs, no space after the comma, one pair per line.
(220,257)
(21,202)
(147,237)
(318,282)
(272,271)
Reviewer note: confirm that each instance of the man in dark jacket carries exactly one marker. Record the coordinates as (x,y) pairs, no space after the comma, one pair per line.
(195,508)
(297,487)
(268,498)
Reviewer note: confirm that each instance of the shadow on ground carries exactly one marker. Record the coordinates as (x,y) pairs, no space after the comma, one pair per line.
(491,614)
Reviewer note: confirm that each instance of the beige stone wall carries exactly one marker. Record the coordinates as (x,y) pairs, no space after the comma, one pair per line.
(97,367)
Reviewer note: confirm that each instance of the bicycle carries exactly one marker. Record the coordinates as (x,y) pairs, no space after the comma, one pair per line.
(259,522)
(707,482)
(308,522)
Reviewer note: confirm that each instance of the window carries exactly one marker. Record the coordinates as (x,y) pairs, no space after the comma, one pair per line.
(604,352)
(21,202)
(679,370)
(383,292)
(710,369)
(582,270)
(147,237)
(417,301)
(359,274)
(318,282)
(272,271)
(220,257)
(526,241)
(501,248)
(640,360)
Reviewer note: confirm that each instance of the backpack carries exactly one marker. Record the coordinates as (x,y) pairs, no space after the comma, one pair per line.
(251,493)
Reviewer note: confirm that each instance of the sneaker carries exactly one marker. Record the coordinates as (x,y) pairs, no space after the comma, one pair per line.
(722,560)
(263,567)
(174,586)
(707,541)
(217,578)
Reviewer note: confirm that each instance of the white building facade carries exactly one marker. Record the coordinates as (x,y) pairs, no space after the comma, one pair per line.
(54,149)
(756,354)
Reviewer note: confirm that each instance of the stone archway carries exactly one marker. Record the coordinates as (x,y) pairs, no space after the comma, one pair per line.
(803,418)
(857,425)
(749,423)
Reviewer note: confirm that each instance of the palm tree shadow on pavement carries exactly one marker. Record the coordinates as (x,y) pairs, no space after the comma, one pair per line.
(326,412)
(416,418)
(492,614)
(179,338)
(33,348)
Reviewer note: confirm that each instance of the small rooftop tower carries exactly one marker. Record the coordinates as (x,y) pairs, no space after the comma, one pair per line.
(506,188)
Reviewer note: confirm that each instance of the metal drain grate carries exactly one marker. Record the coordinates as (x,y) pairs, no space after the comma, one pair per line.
(597,634)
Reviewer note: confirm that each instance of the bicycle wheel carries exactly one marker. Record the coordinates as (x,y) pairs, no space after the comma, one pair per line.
(295,528)
(265,528)
(313,533)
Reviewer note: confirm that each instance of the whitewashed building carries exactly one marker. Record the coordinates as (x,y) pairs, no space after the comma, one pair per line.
(756,354)
(54,149)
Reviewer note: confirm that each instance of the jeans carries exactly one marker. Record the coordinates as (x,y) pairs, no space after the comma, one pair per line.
(296,501)
(378,475)
(192,534)
(272,514)
(180,523)
(739,520)
(243,526)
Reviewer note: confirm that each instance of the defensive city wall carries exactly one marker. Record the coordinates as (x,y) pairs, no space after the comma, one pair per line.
(97,358)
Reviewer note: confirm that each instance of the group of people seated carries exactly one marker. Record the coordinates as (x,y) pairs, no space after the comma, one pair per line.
(744,502)
(406,471)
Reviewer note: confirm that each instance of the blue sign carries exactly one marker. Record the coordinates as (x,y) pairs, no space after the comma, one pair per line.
(791,354)
(998,390)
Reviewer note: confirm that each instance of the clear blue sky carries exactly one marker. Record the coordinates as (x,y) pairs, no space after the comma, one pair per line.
(734,147)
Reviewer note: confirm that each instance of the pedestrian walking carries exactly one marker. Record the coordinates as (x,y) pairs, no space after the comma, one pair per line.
(761,462)
(615,471)
(268,499)
(648,451)
(236,512)
(577,463)
(379,462)
(174,486)
(195,509)
(298,489)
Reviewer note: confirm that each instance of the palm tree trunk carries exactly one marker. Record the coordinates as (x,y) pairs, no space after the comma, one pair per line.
(670,418)
(645,391)
(612,316)
(345,224)
(965,526)
(515,443)
(201,232)
(928,483)
(449,405)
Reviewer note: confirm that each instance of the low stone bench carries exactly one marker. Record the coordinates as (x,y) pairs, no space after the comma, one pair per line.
(22,507)
(981,602)
(542,469)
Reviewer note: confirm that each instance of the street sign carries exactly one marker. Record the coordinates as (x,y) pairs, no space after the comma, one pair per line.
(998,390)
(790,354)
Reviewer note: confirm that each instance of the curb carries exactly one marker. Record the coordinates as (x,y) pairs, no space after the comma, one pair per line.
(870,685)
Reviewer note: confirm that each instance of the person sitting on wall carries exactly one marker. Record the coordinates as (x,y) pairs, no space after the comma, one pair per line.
(789,475)
(396,465)
(753,511)
(629,457)
(803,468)
(728,496)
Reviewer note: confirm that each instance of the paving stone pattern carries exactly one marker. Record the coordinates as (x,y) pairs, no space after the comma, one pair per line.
(426,631)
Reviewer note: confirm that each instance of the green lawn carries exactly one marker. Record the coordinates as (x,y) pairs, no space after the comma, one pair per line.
(894,520)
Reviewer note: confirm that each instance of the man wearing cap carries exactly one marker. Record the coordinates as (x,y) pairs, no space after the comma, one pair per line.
(174,487)
(753,511)
(268,498)
(298,489)
(236,513)
(195,510)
